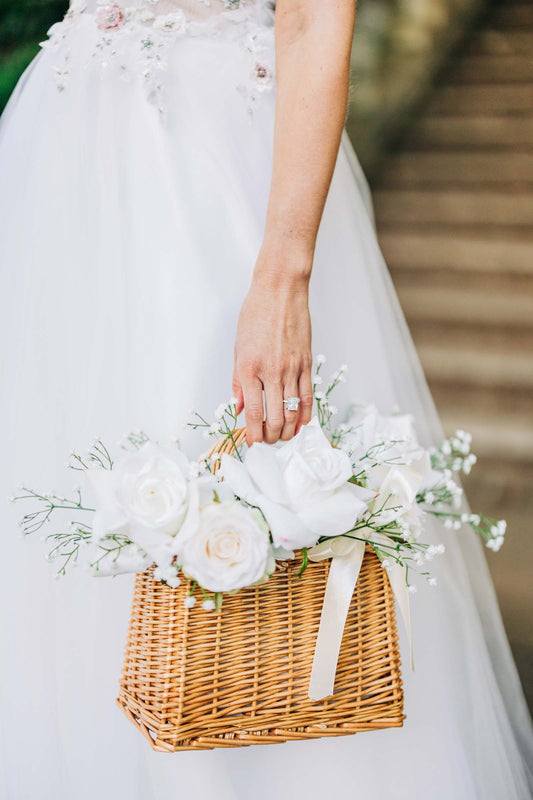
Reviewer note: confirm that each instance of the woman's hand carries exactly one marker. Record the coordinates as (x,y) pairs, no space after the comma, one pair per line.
(273,347)
(273,355)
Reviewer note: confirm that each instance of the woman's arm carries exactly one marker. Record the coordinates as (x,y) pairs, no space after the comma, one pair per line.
(273,345)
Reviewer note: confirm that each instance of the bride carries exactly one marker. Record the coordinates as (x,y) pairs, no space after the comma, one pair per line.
(178,202)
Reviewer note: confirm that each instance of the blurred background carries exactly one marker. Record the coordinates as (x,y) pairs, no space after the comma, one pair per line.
(441,115)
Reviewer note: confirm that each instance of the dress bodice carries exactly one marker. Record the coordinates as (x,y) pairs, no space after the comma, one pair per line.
(136,37)
(192,10)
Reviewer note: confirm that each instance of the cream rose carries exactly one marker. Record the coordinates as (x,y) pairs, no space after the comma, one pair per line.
(301,487)
(230,548)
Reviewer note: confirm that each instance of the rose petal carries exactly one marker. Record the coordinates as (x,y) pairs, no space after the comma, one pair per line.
(334,515)
(263,465)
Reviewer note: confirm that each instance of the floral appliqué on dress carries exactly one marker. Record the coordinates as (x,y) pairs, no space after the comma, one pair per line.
(136,40)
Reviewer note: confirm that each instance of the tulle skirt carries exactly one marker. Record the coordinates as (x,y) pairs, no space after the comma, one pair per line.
(127,246)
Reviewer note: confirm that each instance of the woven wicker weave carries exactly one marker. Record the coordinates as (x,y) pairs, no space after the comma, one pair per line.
(195,680)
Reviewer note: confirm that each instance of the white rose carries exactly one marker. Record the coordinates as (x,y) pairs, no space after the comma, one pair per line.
(301,487)
(230,548)
(148,498)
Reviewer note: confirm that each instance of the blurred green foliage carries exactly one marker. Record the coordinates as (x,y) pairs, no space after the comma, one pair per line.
(23,24)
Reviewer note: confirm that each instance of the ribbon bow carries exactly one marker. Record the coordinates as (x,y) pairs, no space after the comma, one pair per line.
(346,558)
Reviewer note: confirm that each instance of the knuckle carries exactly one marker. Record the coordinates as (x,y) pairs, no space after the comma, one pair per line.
(306,399)
(271,437)
(249,367)
(307,362)
(275,422)
(272,372)
(287,432)
(254,413)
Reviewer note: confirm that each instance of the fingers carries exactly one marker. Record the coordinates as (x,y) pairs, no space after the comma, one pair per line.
(305,393)
(237,391)
(253,410)
(291,417)
(274,412)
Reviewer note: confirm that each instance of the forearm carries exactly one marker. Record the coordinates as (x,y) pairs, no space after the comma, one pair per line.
(313,41)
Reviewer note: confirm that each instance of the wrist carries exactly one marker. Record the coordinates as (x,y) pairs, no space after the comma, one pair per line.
(281,268)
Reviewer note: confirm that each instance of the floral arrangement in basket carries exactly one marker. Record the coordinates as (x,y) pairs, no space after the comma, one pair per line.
(222,521)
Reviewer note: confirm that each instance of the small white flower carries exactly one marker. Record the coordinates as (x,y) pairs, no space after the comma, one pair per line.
(319,395)
(446,448)
(456,525)
(189,601)
(432,581)
(440,549)
(429,497)
(333,410)
(208,605)
(502,527)
(475,519)
(412,589)
(448,523)
(465,517)
(320,359)
(317,379)
(220,411)
(195,470)
(167,575)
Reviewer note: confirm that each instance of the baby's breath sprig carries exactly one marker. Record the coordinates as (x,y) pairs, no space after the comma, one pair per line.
(225,423)
(66,544)
(446,491)
(454,454)
(325,410)
(491,530)
(97,456)
(47,504)
(134,440)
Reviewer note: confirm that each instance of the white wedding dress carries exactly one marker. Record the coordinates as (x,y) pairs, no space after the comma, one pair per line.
(135,161)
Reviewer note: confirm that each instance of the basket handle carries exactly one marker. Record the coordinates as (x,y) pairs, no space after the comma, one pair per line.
(226,444)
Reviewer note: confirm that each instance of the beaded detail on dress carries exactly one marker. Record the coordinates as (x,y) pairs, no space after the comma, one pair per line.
(134,38)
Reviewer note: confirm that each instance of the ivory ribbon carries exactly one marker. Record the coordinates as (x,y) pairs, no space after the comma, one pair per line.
(346,559)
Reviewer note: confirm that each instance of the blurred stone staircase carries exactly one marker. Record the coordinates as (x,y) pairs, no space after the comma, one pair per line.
(455,216)
(454,208)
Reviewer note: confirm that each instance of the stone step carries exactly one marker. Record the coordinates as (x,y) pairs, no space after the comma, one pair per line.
(477,366)
(473,307)
(457,253)
(500,402)
(485,98)
(471,133)
(459,169)
(438,280)
(397,206)
(493,437)
(488,69)
(514,15)
(498,42)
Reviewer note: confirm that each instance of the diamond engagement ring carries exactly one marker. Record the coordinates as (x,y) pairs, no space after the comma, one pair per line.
(292,403)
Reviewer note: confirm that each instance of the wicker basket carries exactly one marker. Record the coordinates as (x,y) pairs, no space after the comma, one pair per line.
(195,680)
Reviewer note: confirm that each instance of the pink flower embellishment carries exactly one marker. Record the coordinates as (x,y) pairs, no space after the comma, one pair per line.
(110,18)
